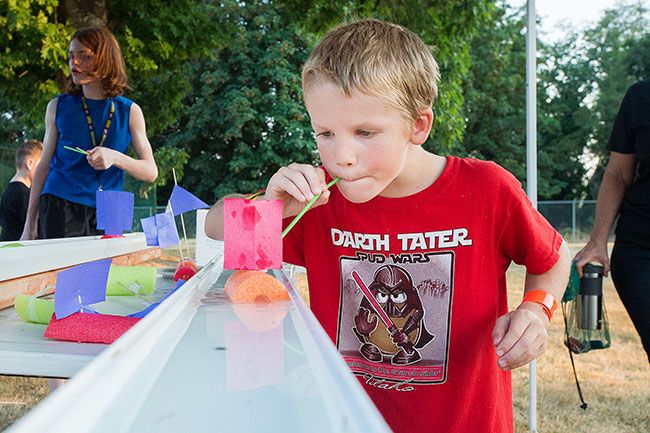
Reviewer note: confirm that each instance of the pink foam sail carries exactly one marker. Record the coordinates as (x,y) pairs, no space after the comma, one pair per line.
(252,234)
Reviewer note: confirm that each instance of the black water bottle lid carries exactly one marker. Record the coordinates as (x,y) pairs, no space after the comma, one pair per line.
(593,268)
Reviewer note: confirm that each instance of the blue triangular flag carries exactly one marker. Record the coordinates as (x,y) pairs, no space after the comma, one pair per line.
(80,286)
(183,201)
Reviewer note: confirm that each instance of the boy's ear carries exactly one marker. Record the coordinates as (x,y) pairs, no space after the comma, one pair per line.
(422,126)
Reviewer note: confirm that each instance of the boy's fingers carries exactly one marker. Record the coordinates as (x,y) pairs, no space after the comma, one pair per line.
(312,177)
(306,178)
(321,178)
(297,179)
(500,329)
(279,185)
(294,191)
(527,348)
(516,328)
(324,198)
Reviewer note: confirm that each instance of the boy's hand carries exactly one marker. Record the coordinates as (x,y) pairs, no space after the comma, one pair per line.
(520,336)
(295,185)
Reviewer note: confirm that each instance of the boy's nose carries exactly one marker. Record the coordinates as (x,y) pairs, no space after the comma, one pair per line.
(345,155)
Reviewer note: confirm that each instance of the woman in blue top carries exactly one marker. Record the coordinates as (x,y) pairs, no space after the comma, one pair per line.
(93,117)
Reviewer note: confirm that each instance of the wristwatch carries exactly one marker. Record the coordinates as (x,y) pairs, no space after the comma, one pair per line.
(545,299)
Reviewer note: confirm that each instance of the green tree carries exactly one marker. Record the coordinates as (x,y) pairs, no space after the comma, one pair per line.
(566,121)
(494,93)
(447,26)
(245,118)
(618,47)
(159,40)
(581,80)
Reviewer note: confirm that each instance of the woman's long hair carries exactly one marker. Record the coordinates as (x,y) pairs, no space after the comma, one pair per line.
(108,61)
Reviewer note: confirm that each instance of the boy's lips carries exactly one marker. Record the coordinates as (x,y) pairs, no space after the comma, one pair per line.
(351,179)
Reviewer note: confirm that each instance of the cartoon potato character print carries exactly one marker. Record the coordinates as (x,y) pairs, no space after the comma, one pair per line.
(393,288)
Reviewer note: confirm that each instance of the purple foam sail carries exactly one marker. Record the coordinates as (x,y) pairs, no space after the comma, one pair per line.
(115,211)
(80,286)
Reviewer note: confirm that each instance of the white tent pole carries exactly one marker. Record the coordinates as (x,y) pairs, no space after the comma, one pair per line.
(531,170)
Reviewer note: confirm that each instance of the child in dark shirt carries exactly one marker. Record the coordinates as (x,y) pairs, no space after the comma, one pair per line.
(13,205)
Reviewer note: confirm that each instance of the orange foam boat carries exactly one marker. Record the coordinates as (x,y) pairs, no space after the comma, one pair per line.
(254,287)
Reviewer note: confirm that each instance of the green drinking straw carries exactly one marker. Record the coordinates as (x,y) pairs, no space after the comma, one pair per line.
(306,208)
(83,152)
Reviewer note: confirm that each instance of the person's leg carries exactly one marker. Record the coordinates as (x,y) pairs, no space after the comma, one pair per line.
(80,220)
(631,275)
(59,218)
(51,217)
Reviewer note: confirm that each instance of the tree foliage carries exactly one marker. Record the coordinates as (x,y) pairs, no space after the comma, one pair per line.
(219,82)
(618,47)
(581,81)
(494,92)
(447,26)
(245,118)
(159,40)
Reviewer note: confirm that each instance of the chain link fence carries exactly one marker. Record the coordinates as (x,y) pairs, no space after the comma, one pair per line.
(188,219)
(572,218)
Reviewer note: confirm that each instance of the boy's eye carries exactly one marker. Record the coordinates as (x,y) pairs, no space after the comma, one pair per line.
(325,134)
(365,133)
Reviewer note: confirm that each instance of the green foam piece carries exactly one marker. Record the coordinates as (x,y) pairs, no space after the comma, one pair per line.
(34,310)
(121,277)
(12,245)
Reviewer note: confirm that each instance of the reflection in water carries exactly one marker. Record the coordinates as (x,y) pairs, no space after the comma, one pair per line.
(253,358)
(238,367)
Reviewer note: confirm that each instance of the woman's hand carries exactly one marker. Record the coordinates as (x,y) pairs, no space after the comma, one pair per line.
(102,158)
(593,252)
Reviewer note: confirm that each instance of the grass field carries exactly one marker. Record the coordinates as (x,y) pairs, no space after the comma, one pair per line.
(615,381)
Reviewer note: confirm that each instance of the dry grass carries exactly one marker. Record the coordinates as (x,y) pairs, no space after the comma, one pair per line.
(615,381)
(18,395)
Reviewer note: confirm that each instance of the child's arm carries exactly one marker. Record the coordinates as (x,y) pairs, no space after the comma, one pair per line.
(295,185)
(41,172)
(214,219)
(520,336)
(144,168)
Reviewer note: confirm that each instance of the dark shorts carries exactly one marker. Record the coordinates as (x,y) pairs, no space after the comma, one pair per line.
(631,275)
(59,218)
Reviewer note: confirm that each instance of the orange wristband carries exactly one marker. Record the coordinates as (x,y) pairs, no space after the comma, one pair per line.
(545,299)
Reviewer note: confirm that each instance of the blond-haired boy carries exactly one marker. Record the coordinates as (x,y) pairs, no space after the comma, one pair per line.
(406,256)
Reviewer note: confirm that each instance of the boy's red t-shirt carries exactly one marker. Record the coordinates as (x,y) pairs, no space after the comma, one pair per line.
(435,262)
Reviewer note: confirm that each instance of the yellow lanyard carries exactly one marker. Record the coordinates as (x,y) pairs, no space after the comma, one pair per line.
(90,122)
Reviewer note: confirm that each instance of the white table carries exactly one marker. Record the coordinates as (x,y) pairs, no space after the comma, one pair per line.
(199,363)
(25,352)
